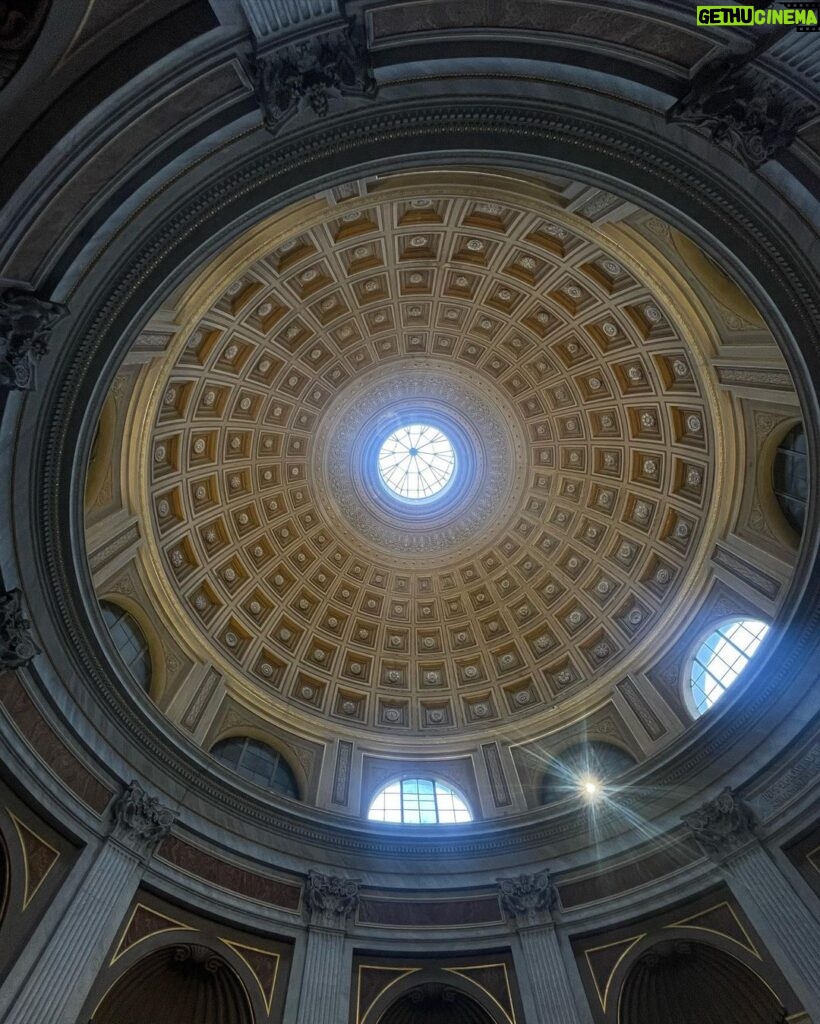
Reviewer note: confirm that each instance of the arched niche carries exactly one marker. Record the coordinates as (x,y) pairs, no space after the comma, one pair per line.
(435,1003)
(186,984)
(683,982)
(439,995)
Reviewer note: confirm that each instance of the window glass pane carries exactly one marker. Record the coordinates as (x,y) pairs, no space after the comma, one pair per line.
(129,641)
(418,802)
(258,763)
(722,657)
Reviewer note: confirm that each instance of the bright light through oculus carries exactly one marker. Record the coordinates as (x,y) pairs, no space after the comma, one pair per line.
(416,461)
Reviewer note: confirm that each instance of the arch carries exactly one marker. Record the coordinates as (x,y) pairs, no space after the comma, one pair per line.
(682,982)
(594,759)
(188,984)
(258,762)
(718,657)
(435,1003)
(419,800)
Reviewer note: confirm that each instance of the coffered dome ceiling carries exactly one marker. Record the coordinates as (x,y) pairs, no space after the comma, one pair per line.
(568,366)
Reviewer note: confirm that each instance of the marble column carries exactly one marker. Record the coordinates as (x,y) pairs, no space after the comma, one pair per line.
(325,994)
(57,985)
(725,830)
(529,901)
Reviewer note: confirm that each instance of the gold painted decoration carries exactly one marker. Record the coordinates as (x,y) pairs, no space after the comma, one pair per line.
(39,857)
(144,923)
(373,981)
(603,962)
(493,981)
(720,920)
(263,965)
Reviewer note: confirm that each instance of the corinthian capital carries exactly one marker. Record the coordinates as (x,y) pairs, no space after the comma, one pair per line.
(721,825)
(330,900)
(16,644)
(26,321)
(528,899)
(141,821)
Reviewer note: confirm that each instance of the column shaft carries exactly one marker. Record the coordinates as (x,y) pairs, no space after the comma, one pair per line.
(546,972)
(326,980)
(785,923)
(59,982)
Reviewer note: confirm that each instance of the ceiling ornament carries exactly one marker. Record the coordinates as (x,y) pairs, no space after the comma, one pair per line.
(542,351)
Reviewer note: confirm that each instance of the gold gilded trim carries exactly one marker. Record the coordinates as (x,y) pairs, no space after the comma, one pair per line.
(603,997)
(30,892)
(462,973)
(377,967)
(750,947)
(174,926)
(237,947)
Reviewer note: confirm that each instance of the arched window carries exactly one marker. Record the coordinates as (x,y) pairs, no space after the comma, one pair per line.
(790,477)
(419,802)
(722,657)
(130,642)
(258,763)
(583,764)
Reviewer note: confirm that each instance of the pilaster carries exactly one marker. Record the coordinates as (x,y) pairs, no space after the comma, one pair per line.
(58,984)
(725,829)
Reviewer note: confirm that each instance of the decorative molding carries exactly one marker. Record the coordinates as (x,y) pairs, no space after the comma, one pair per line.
(758,580)
(17,646)
(26,322)
(309,73)
(330,900)
(742,110)
(116,546)
(341,778)
(796,779)
(528,899)
(722,825)
(762,377)
(495,772)
(641,708)
(140,820)
(196,708)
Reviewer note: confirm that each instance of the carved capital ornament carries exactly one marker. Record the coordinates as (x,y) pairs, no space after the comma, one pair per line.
(528,899)
(26,321)
(742,110)
(721,825)
(330,900)
(16,644)
(140,820)
(308,73)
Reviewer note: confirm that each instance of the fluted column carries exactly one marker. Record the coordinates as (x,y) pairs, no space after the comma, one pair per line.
(529,901)
(725,829)
(59,982)
(329,902)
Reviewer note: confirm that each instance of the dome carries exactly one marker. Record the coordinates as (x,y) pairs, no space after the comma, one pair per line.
(408,552)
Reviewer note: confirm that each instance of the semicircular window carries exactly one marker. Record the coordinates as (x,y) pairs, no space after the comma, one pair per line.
(790,477)
(130,642)
(722,657)
(581,763)
(419,802)
(258,763)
